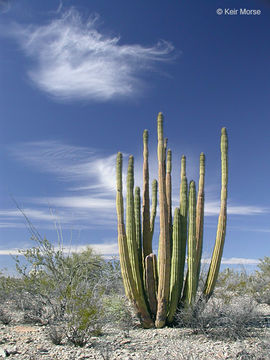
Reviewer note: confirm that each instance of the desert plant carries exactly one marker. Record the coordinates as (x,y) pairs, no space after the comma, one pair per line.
(57,287)
(221,319)
(156,291)
(5,317)
(51,278)
(56,334)
(119,313)
(261,281)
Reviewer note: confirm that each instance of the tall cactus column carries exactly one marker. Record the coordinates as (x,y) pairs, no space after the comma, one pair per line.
(221,229)
(200,215)
(164,238)
(147,237)
(192,259)
(131,277)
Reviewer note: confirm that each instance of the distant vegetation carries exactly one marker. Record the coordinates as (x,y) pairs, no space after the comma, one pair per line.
(77,294)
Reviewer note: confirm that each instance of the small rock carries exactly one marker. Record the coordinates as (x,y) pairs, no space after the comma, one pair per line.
(123,342)
(11,350)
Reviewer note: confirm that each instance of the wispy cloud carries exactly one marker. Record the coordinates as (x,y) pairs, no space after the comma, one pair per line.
(213,207)
(87,197)
(106,249)
(75,60)
(76,164)
(234,261)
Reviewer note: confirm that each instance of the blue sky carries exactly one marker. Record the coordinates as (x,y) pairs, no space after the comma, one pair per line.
(80,80)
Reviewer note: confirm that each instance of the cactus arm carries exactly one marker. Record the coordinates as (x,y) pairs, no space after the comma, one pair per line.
(154,207)
(192,260)
(137,214)
(183,222)
(176,282)
(183,208)
(150,282)
(200,215)
(147,239)
(164,240)
(128,280)
(169,189)
(221,229)
(130,220)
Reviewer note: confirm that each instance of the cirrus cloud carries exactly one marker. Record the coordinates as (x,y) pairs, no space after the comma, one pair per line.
(74,60)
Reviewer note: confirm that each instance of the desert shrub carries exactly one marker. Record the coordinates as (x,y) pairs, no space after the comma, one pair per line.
(120,313)
(8,287)
(56,287)
(256,285)
(56,334)
(221,319)
(5,317)
(261,282)
(53,280)
(231,283)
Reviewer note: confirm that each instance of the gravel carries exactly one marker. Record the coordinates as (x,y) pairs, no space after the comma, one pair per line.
(32,342)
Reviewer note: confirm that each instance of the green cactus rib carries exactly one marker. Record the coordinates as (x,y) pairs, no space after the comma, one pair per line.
(169,188)
(183,203)
(221,229)
(130,221)
(164,240)
(137,214)
(122,240)
(147,238)
(192,259)
(150,282)
(183,220)
(200,215)
(176,281)
(128,280)
(154,206)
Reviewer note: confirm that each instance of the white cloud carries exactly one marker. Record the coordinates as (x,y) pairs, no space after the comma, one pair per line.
(73,60)
(89,199)
(31,214)
(106,249)
(9,252)
(100,248)
(69,163)
(234,261)
(213,208)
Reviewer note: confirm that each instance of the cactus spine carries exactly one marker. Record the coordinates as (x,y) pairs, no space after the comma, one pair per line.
(157,294)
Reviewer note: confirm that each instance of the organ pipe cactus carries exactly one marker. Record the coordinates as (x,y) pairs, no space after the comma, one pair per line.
(158,288)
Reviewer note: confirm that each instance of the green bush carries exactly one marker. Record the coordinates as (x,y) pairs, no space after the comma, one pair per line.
(57,288)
